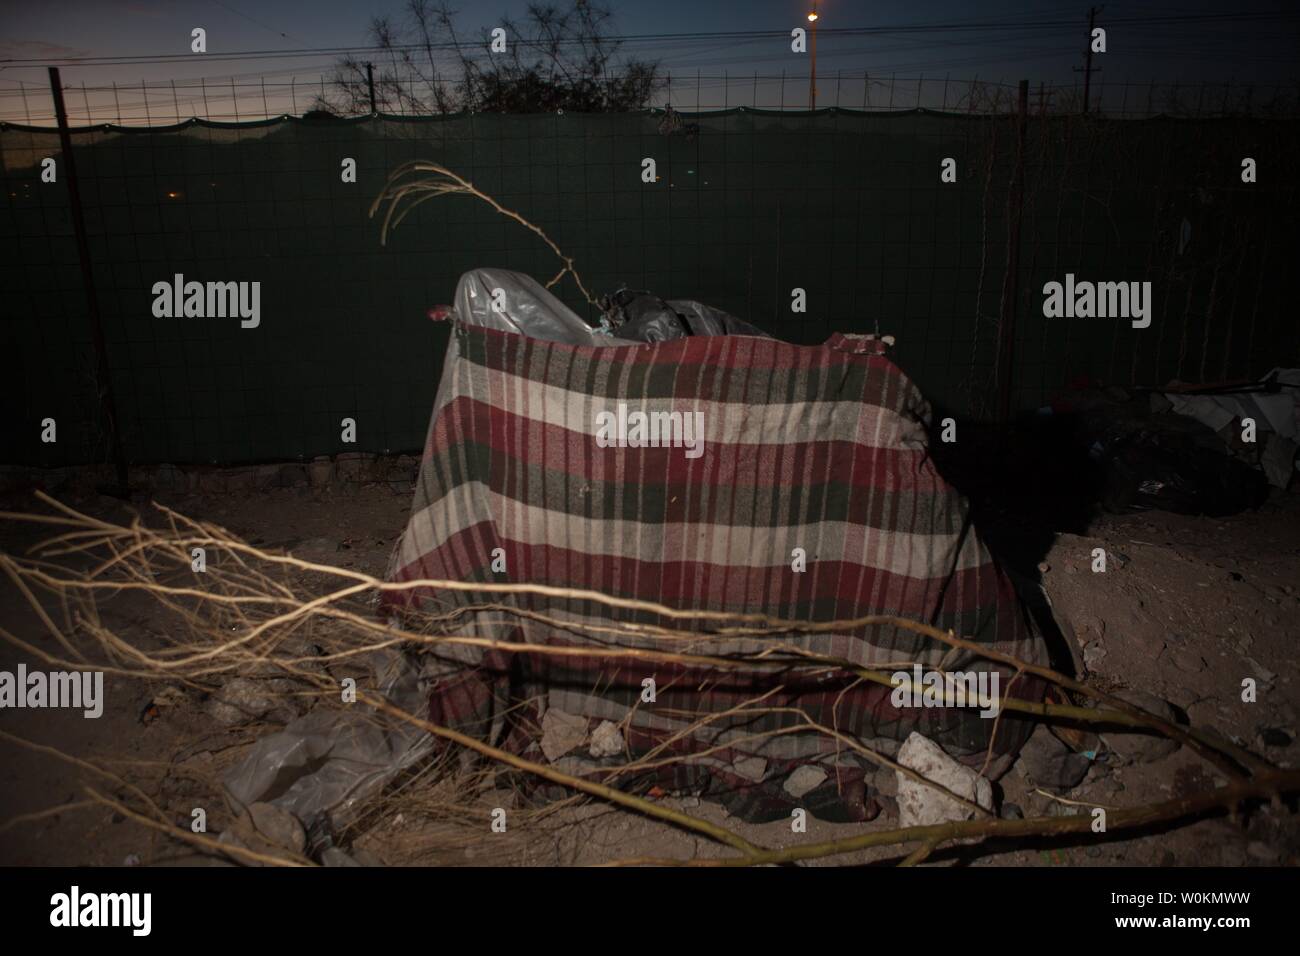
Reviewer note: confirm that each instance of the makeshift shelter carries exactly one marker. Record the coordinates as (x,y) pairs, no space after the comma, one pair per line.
(813,499)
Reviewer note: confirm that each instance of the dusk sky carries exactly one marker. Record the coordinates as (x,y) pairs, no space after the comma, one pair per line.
(1250,41)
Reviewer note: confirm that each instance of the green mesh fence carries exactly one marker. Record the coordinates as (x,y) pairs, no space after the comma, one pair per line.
(748,206)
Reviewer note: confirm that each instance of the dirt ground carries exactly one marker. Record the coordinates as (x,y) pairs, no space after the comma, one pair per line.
(1186,609)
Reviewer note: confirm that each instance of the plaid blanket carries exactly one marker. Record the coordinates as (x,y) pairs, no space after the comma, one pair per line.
(819,451)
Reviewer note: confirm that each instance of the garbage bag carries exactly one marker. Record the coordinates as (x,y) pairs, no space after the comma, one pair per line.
(327,761)
(644,317)
(1169,472)
(515,302)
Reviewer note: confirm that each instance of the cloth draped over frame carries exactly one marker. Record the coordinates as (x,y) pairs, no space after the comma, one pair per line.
(819,452)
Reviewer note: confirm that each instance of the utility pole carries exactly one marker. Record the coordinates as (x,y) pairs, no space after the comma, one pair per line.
(1087,56)
(370,82)
(812,81)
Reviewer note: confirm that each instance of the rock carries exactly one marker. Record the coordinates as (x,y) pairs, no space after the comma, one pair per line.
(606,740)
(169,478)
(561,733)
(1189,662)
(804,779)
(1144,747)
(366,857)
(1231,854)
(321,471)
(885,782)
(278,826)
(333,856)
(398,473)
(241,481)
(1259,850)
(354,467)
(266,829)
(1011,811)
(1088,628)
(1261,672)
(287,697)
(1093,655)
(300,652)
(1049,763)
(210,483)
(751,768)
(919,805)
(266,477)
(290,476)
(238,701)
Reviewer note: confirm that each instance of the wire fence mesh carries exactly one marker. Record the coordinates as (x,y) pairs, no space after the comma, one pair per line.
(245,97)
(746,207)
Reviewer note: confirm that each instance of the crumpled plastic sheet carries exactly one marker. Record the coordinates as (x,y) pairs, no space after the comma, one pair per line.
(515,302)
(1276,415)
(328,760)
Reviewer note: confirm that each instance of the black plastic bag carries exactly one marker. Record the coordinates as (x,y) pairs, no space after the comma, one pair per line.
(1155,470)
(644,317)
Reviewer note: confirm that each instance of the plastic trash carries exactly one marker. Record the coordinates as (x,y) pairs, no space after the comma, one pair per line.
(644,317)
(515,302)
(326,761)
(1167,472)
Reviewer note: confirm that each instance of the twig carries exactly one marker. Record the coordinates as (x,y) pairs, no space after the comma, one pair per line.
(443,182)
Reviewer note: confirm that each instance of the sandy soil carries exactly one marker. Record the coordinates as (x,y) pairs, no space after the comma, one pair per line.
(1186,609)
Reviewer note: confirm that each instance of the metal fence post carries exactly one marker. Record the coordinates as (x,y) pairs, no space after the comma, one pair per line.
(1011,280)
(88,280)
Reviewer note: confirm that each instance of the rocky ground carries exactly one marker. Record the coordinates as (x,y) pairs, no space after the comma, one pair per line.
(1186,610)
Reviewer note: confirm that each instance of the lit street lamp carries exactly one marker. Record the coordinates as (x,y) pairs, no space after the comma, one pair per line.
(812,80)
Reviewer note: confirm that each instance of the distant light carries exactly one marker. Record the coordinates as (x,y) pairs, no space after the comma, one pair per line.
(812,16)
(173,195)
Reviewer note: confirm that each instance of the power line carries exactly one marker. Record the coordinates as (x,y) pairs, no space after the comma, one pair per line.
(1017,26)
(238,13)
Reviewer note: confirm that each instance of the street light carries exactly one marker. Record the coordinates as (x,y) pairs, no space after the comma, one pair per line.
(812,80)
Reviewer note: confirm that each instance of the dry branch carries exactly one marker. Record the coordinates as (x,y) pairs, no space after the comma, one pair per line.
(252,601)
(441,181)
